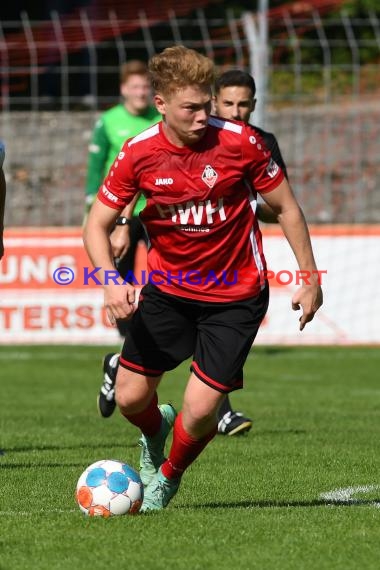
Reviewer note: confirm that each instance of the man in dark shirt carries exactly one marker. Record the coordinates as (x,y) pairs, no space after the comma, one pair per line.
(235,99)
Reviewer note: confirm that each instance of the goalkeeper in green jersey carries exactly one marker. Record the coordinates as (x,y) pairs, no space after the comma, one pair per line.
(127,119)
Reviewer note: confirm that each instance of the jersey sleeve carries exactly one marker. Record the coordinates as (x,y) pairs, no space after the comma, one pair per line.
(263,171)
(119,186)
(272,145)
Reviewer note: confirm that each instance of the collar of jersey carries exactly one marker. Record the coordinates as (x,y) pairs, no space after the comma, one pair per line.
(179,149)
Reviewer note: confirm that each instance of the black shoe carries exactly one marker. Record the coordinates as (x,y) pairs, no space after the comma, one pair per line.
(234,423)
(106,397)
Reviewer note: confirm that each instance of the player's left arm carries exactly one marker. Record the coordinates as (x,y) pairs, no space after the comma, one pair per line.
(272,144)
(264,212)
(290,216)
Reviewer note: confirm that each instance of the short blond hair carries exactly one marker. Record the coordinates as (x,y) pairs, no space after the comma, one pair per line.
(178,67)
(132,67)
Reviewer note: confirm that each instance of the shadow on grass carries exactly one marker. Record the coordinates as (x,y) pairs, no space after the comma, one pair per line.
(280,432)
(268,504)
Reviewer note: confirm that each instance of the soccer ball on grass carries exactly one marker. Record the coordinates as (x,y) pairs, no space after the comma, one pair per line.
(109,487)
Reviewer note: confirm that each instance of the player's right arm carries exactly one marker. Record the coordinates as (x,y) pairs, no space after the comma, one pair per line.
(97,157)
(120,240)
(118,298)
(117,191)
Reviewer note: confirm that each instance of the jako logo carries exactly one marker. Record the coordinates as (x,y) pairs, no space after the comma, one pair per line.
(163,181)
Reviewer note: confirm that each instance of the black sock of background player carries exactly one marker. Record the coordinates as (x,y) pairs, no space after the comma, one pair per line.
(224,408)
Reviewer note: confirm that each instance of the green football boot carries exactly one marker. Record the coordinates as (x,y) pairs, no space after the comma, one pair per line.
(152,452)
(159,492)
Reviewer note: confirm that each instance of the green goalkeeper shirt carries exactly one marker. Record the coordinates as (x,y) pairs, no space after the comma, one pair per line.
(110,132)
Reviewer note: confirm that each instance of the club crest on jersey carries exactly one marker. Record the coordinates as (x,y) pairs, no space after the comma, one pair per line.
(209,176)
(272,168)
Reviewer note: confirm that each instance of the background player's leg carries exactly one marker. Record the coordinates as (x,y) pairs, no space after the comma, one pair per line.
(231,422)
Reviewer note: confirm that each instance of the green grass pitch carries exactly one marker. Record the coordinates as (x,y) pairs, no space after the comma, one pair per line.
(253,502)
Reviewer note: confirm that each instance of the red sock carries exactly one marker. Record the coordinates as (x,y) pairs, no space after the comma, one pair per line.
(149,420)
(184,450)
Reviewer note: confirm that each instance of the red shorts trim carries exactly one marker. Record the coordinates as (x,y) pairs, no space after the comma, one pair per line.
(213,383)
(139,369)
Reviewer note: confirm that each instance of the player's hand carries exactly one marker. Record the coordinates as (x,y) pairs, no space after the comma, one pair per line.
(120,241)
(119,301)
(309,298)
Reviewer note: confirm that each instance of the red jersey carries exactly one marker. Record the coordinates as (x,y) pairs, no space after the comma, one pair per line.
(205,242)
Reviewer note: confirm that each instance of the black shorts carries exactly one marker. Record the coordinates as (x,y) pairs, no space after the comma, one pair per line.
(166,330)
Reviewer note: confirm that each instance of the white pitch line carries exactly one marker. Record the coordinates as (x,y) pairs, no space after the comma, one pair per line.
(40,512)
(346,495)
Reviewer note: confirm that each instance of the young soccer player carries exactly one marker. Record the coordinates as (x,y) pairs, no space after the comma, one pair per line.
(200,175)
(234,99)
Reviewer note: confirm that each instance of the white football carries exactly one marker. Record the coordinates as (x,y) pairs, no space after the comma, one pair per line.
(109,487)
